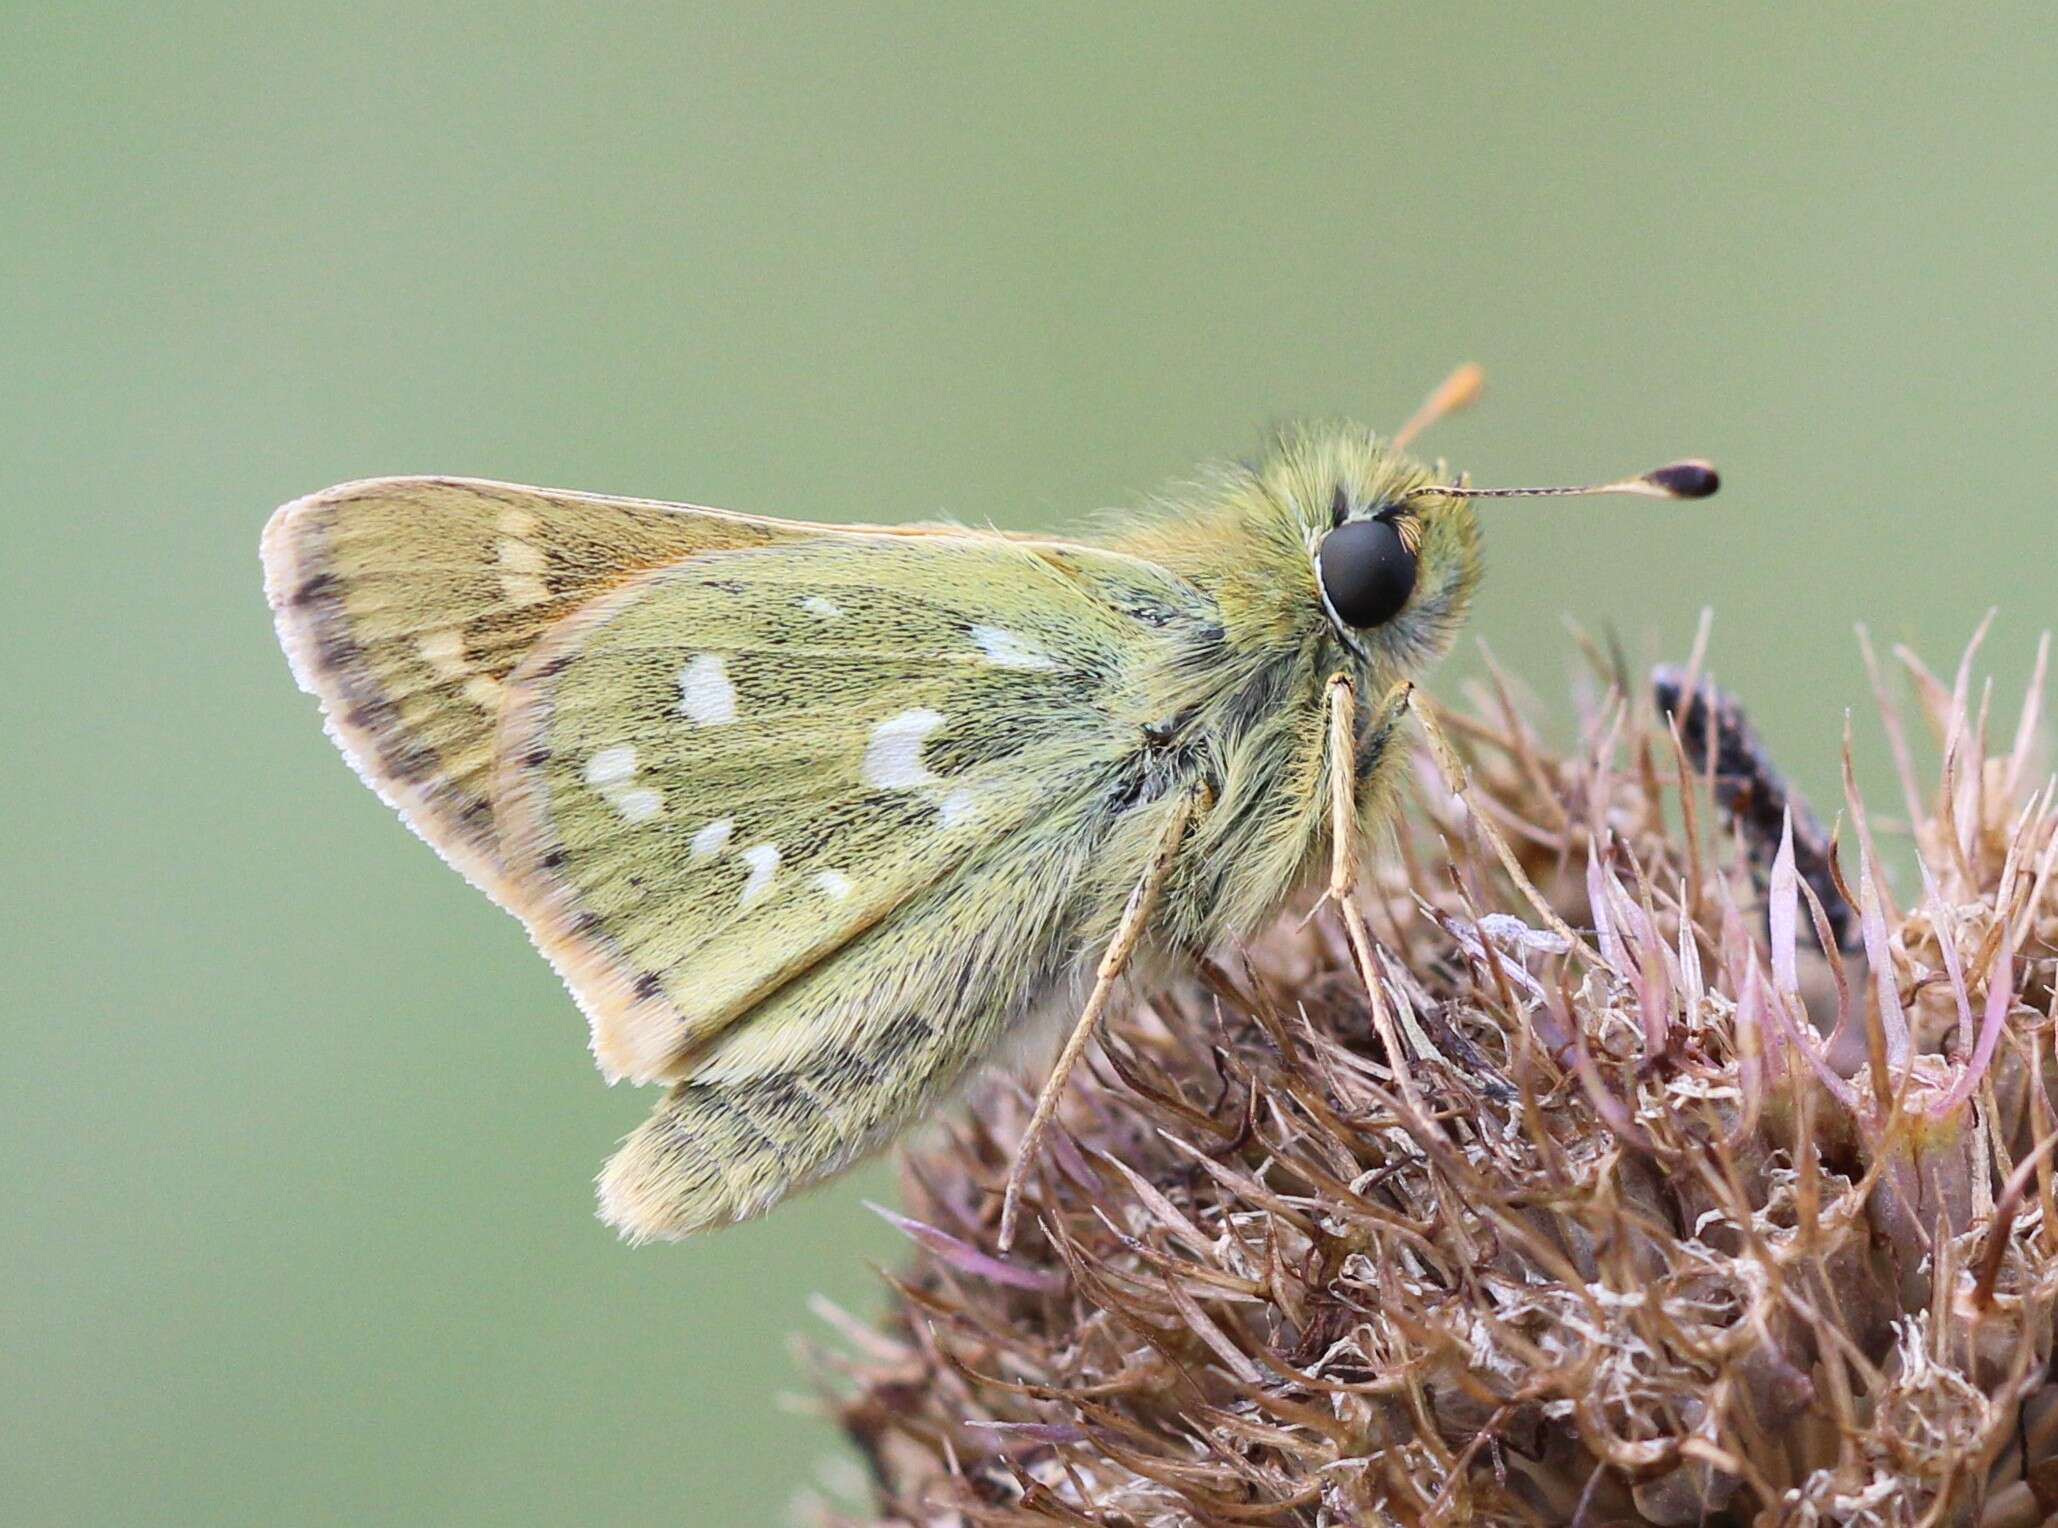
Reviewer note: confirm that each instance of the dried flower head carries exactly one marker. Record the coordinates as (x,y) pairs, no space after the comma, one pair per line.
(1670,1167)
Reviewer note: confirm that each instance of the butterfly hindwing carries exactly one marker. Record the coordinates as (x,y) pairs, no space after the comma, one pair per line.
(718,774)
(851,1052)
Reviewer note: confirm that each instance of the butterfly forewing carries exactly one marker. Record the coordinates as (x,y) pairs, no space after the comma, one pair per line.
(723,771)
(404,603)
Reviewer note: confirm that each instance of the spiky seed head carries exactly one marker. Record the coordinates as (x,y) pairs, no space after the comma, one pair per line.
(1700,1219)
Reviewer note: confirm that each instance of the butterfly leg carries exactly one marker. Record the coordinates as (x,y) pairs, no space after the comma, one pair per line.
(1343,826)
(1136,915)
(1343,771)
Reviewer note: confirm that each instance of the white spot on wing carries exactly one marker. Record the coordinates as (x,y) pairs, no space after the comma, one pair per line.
(827,609)
(833,884)
(708,842)
(763,860)
(639,804)
(705,693)
(444,652)
(610,766)
(612,772)
(893,756)
(521,556)
(1008,649)
(521,567)
(957,806)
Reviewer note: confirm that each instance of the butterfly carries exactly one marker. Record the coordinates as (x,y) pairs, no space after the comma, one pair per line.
(814,819)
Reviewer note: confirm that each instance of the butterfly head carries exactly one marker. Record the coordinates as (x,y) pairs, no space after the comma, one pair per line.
(1393,561)
(1395,552)
(1334,546)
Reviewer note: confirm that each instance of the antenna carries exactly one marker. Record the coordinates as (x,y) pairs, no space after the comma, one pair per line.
(1459,390)
(1690,479)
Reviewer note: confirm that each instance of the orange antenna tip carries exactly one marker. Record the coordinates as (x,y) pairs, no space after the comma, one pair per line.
(1459,390)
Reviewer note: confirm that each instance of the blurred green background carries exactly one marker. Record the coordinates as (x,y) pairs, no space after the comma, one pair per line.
(297,1132)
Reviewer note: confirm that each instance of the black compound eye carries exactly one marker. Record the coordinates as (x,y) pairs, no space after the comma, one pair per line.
(1367,572)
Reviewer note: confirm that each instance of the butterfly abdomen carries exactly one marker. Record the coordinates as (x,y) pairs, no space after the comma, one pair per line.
(717,1152)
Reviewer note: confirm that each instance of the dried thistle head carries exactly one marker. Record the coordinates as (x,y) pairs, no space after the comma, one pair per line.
(1707,1178)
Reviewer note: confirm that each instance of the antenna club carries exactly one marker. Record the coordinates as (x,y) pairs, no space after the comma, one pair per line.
(1690,479)
(1693,479)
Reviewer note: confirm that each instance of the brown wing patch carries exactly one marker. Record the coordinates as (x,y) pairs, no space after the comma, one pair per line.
(404,603)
